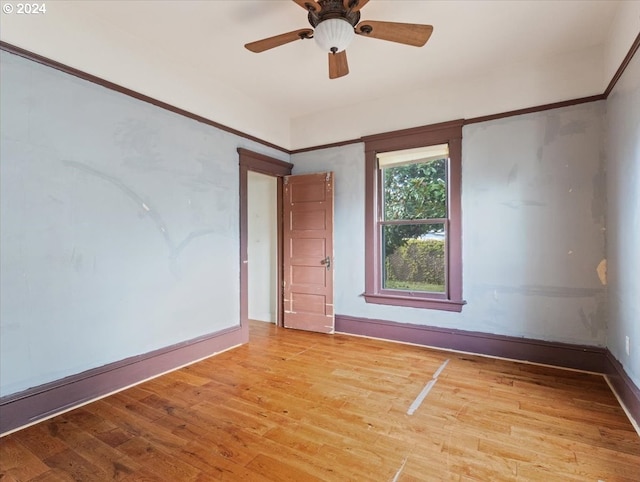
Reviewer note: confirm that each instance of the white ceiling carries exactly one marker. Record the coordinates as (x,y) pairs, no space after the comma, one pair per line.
(199,46)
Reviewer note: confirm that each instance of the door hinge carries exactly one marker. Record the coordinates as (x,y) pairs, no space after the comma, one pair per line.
(326,261)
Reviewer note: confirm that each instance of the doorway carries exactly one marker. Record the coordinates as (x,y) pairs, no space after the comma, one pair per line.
(303,297)
(253,163)
(262,246)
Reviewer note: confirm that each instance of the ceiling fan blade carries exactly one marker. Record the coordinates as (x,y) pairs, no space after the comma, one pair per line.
(354,5)
(404,33)
(278,40)
(309,5)
(338,66)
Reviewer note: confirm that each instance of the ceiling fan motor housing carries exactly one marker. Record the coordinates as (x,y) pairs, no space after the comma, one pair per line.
(333,9)
(334,25)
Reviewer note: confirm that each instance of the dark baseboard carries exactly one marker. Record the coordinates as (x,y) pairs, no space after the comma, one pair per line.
(589,358)
(33,404)
(624,387)
(563,355)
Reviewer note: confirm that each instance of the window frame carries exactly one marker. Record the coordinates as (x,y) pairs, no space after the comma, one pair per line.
(446,132)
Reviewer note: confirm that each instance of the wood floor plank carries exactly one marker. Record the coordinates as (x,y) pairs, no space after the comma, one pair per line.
(294,405)
(114,437)
(77,466)
(164,465)
(54,475)
(530,471)
(215,467)
(276,469)
(136,425)
(18,462)
(37,439)
(102,456)
(426,469)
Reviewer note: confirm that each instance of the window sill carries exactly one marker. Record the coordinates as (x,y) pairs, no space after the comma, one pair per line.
(414,302)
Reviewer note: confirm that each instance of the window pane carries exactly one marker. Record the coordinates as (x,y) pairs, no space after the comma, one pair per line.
(415,191)
(414,257)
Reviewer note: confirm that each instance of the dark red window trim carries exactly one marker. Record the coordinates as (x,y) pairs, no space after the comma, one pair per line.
(446,132)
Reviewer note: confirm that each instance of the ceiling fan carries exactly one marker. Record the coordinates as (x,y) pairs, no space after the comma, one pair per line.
(335,23)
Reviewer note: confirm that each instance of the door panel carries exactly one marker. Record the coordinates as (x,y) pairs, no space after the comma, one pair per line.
(307,191)
(308,219)
(311,304)
(308,275)
(308,247)
(308,252)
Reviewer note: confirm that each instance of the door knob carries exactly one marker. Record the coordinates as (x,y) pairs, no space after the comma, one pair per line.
(326,261)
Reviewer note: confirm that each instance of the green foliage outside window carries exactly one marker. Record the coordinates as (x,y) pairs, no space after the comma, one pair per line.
(417,265)
(412,192)
(413,260)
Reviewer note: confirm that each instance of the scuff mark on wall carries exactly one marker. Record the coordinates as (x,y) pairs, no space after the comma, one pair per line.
(77,264)
(594,322)
(76,260)
(599,200)
(516,203)
(602,271)
(554,128)
(130,193)
(153,214)
(548,291)
(190,237)
(139,144)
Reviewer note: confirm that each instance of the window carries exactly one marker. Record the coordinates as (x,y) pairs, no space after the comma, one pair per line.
(413,218)
(413,227)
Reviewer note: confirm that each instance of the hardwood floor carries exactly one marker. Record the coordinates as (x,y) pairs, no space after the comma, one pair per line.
(302,407)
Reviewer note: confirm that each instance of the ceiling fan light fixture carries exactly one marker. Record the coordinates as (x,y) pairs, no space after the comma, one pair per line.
(333,35)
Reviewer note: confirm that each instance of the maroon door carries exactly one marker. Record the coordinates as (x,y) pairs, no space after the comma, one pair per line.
(308,252)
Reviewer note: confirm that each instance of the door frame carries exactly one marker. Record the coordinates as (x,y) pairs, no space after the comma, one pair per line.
(253,161)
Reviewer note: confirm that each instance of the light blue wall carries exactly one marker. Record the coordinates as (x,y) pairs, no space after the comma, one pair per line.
(533,228)
(623,218)
(119,226)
